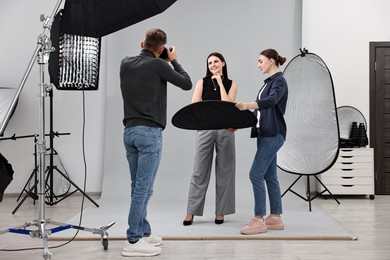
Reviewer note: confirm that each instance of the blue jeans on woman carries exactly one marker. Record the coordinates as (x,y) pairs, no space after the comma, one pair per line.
(264,171)
(143,151)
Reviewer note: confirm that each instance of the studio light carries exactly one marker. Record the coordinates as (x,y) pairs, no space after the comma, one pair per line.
(76,37)
(74,63)
(79,59)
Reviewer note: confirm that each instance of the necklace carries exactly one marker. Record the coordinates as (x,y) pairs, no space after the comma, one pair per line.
(216,84)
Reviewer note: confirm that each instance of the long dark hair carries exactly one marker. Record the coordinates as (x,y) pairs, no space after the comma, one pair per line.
(272,54)
(224,68)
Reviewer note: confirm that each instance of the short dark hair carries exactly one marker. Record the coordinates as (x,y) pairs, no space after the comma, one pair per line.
(155,38)
(220,56)
(272,54)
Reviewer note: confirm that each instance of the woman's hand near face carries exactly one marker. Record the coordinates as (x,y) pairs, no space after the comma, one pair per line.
(218,78)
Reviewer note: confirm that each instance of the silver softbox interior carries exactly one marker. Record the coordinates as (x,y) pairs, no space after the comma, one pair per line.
(312,141)
(7,106)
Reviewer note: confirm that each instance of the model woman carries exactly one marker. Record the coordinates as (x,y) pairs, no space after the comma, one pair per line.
(270,131)
(214,86)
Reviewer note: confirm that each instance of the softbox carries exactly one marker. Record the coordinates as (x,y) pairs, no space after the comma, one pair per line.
(76,36)
(74,64)
(97,18)
(7,106)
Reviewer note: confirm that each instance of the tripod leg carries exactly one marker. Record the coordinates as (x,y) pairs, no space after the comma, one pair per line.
(25,197)
(49,187)
(34,172)
(309,199)
(46,253)
(289,188)
(326,189)
(77,187)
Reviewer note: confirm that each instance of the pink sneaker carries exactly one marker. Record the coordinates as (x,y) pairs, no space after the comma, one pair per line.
(274,223)
(254,227)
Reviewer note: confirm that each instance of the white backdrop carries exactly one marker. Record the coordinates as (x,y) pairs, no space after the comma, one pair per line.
(237,29)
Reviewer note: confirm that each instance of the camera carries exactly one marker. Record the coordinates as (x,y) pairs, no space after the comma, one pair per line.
(164,54)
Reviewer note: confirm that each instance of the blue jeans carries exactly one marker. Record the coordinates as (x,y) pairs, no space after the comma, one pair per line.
(263,171)
(143,151)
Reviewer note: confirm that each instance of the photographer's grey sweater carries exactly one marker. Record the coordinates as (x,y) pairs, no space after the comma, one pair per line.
(143,80)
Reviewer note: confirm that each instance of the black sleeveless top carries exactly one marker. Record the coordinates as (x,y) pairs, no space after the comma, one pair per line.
(213,93)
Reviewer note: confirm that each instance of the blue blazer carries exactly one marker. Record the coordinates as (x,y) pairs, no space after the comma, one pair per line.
(272,106)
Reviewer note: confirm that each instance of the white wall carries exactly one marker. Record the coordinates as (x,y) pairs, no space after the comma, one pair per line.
(237,29)
(340,32)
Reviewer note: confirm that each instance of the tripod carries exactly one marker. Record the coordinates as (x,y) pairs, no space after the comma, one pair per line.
(33,191)
(41,54)
(51,197)
(52,167)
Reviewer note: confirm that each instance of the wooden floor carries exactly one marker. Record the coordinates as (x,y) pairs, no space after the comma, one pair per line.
(368,219)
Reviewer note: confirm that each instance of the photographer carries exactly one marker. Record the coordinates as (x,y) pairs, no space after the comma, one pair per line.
(143,82)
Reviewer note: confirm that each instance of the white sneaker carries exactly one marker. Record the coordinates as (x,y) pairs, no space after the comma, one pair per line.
(153,240)
(141,248)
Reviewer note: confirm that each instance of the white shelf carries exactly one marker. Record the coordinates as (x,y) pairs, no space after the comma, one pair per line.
(352,173)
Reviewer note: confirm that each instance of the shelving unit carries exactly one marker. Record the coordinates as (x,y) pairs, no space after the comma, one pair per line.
(352,173)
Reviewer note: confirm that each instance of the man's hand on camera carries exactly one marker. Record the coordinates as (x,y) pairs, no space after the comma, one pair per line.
(172,55)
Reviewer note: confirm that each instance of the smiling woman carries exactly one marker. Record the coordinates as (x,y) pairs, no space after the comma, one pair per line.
(214,86)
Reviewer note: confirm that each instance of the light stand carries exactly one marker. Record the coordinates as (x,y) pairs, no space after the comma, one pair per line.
(31,186)
(51,197)
(41,54)
(53,167)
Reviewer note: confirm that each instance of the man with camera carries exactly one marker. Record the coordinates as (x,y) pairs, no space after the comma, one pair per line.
(143,82)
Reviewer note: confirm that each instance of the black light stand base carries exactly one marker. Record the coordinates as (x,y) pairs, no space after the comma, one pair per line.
(33,190)
(309,197)
(52,202)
